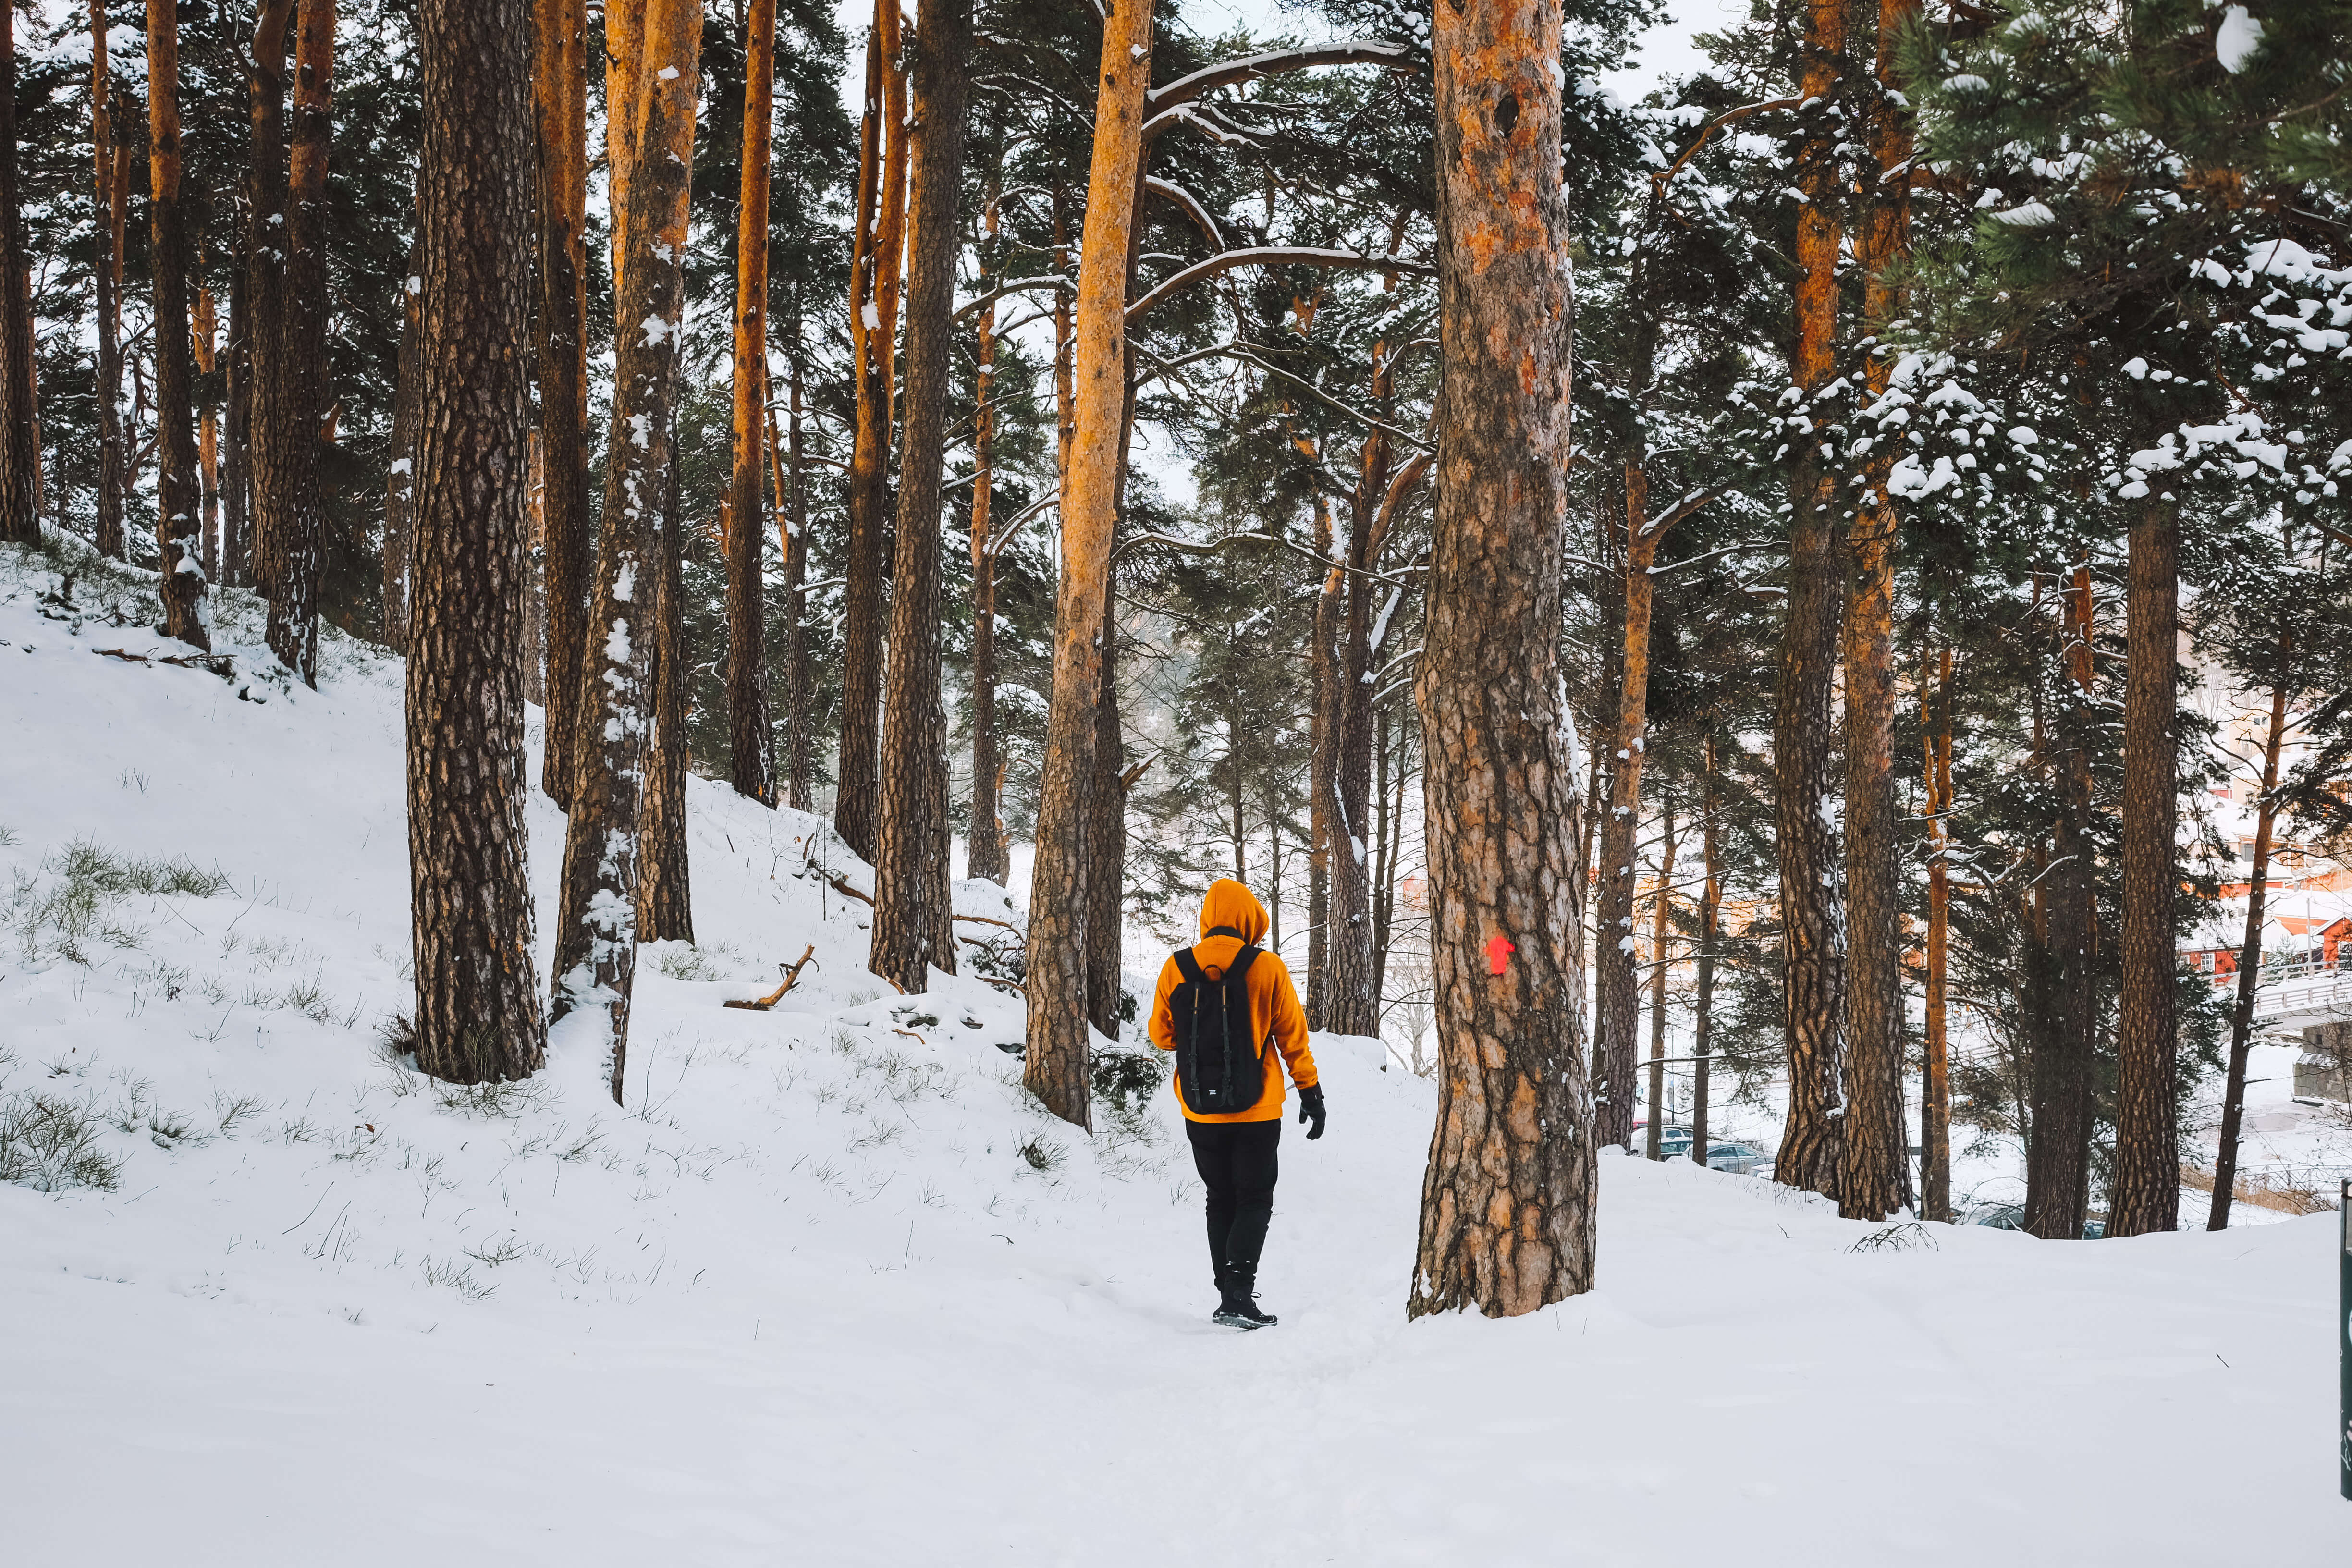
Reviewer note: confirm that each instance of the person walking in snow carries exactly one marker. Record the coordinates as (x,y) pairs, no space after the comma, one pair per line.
(1227,1008)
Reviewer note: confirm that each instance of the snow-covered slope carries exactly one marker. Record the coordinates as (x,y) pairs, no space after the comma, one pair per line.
(829,1291)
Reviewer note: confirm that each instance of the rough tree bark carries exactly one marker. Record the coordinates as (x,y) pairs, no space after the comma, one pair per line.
(108,267)
(1323,759)
(793,514)
(986,853)
(1056,1067)
(399,478)
(2250,951)
(1936,1079)
(1813,935)
(2145,1193)
(560,105)
(205,345)
(237,461)
(2058,1143)
(879,245)
(20,447)
(912,878)
(293,629)
(265,289)
(1710,917)
(1106,837)
(665,902)
(1506,1205)
(182,582)
(1660,932)
(750,755)
(477,1015)
(1874,1171)
(1616,1013)
(596,931)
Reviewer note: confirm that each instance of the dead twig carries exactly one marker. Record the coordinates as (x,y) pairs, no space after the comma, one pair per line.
(791,978)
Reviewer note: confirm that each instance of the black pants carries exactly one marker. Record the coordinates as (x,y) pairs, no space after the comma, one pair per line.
(1237,1160)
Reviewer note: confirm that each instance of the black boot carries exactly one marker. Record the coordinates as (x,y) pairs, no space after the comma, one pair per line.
(1237,1305)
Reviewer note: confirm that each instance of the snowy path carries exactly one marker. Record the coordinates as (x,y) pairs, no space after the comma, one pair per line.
(806,1303)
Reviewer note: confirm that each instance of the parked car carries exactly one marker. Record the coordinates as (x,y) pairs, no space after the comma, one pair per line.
(2012,1217)
(1738,1159)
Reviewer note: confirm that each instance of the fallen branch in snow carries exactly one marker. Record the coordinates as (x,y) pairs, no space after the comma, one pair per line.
(914,1036)
(217,663)
(791,978)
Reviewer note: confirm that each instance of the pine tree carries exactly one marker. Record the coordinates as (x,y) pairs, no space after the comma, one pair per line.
(175,478)
(559,104)
(478,1016)
(294,463)
(750,746)
(1506,1204)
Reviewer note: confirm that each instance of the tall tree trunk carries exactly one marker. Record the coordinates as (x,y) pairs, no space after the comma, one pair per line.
(1323,764)
(1812,936)
(400,480)
(237,437)
(293,630)
(750,753)
(1106,842)
(2146,1186)
(624,51)
(206,347)
(1660,932)
(873,307)
(986,853)
(477,1012)
(107,267)
(1056,1067)
(912,886)
(1616,1013)
(1874,1176)
(2250,952)
(265,291)
(2058,1141)
(1506,1205)
(560,106)
(1935,1082)
(796,670)
(20,446)
(596,931)
(19,440)
(175,446)
(534,643)
(1710,919)
(665,903)
(1353,1001)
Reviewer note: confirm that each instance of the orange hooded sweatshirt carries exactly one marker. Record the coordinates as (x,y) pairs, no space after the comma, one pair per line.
(1275,1012)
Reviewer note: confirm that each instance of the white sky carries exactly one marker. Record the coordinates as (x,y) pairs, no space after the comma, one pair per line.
(1667,50)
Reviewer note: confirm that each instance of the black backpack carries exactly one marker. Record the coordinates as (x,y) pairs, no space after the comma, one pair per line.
(1218,1068)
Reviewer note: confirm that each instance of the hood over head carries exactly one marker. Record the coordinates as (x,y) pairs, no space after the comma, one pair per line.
(1231,904)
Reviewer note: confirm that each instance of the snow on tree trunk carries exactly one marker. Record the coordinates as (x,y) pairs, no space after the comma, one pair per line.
(182,585)
(293,629)
(596,930)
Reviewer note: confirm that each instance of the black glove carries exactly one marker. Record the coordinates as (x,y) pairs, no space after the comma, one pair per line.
(1310,1109)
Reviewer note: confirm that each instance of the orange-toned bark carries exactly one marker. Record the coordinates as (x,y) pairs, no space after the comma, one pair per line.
(1055,1067)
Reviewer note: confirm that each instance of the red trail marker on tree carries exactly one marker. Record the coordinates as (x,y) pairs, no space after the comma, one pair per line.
(1499,948)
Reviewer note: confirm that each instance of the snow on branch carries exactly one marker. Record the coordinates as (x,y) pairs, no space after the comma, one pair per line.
(1169,191)
(1270,256)
(1049,282)
(1251,68)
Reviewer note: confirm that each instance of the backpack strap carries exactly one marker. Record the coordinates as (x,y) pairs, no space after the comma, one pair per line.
(1240,970)
(1190,967)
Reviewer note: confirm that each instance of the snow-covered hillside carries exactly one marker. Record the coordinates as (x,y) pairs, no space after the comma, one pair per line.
(829,1291)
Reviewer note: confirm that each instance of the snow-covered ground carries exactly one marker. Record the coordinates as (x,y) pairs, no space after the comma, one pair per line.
(828,1291)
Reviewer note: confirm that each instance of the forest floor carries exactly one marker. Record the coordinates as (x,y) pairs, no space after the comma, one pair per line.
(830,1290)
